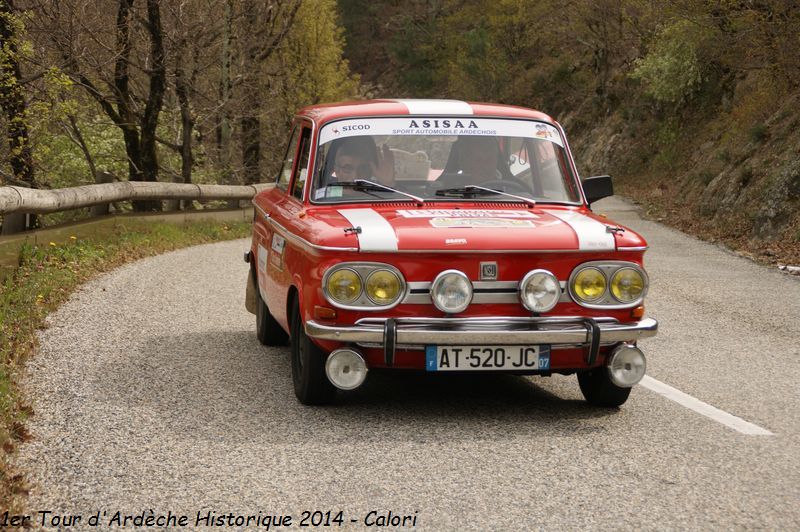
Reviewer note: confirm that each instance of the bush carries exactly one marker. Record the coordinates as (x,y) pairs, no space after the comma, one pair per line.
(671,71)
(758,133)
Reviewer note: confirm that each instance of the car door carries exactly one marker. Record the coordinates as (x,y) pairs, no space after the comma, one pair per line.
(263,231)
(288,195)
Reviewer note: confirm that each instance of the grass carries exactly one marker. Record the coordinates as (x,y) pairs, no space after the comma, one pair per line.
(45,278)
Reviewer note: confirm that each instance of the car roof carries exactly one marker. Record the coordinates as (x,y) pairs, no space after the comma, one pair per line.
(418,107)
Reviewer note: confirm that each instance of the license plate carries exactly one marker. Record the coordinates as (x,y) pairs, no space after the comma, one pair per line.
(485,358)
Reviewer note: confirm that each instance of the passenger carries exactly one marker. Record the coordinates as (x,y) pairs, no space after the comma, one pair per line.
(477,159)
(358,158)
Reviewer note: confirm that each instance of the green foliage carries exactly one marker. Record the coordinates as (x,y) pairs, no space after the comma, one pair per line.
(479,51)
(409,48)
(671,71)
(17,159)
(57,155)
(669,141)
(313,70)
(61,160)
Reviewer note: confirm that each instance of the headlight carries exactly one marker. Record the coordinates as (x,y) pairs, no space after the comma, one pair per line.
(451,291)
(589,285)
(363,285)
(539,291)
(383,287)
(610,284)
(344,286)
(627,285)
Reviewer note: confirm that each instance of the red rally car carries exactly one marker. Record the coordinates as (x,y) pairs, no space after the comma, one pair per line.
(441,235)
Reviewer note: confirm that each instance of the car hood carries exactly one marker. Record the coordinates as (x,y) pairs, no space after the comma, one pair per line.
(467,228)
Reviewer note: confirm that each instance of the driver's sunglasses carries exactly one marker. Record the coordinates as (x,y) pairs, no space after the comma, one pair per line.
(361,169)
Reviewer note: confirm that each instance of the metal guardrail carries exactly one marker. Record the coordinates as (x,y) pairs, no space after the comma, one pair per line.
(39,201)
(106,225)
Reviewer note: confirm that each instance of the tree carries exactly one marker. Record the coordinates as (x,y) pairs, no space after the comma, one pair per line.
(12,98)
(309,68)
(131,95)
(263,28)
(12,101)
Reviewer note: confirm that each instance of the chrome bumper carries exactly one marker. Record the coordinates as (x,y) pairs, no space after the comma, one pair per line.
(396,333)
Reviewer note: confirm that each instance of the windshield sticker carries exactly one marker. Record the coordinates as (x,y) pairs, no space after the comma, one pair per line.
(444,127)
(448,223)
(331,191)
(463,213)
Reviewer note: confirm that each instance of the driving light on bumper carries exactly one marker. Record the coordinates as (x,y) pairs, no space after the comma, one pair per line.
(627,285)
(589,285)
(626,365)
(539,291)
(344,286)
(451,291)
(383,287)
(346,369)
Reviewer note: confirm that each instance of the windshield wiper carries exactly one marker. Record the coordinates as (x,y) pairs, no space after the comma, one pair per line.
(475,190)
(371,185)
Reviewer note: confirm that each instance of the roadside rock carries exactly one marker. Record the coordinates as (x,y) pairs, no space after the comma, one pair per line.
(794,270)
(776,212)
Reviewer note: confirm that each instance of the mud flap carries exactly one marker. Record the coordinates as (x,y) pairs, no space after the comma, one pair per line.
(250,294)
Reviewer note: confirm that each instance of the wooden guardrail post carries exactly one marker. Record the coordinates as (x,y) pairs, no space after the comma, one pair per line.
(16,222)
(103,208)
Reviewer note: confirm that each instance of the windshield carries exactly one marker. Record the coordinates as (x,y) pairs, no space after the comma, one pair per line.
(444,159)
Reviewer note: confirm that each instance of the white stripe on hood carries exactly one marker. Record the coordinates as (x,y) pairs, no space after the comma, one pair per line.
(592,235)
(377,234)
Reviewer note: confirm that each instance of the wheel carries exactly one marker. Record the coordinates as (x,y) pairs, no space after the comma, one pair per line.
(311,385)
(268,330)
(598,389)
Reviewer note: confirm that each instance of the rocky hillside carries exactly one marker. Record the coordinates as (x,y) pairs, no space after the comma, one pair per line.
(694,106)
(731,176)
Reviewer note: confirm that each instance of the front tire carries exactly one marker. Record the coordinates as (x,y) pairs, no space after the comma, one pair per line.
(268,330)
(598,389)
(311,385)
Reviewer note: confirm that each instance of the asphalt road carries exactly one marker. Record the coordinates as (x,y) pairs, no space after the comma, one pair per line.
(151,392)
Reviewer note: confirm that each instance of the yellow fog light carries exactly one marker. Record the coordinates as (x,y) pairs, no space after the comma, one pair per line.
(383,287)
(343,286)
(627,285)
(589,284)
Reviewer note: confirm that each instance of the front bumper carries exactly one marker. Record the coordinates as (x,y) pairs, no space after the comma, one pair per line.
(415,333)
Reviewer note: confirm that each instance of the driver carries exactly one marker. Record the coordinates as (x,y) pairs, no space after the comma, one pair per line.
(359,158)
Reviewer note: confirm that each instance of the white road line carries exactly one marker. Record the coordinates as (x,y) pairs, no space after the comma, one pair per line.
(711,412)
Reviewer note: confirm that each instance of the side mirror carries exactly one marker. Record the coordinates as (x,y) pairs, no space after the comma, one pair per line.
(597,187)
